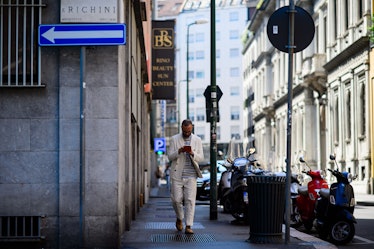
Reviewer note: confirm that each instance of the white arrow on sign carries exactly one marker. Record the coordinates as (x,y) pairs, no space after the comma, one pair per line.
(51,34)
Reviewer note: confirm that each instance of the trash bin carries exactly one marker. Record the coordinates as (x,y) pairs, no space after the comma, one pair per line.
(266,196)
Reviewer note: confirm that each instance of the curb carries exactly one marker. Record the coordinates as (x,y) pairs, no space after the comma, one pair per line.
(365,203)
(311,240)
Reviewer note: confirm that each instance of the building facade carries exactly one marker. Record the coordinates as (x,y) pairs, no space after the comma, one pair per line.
(330,106)
(75,126)
(193,34)
(371,103)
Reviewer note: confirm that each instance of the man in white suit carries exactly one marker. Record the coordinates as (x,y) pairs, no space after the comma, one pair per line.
(185,151)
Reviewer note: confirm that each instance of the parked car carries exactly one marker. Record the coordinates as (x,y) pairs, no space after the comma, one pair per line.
(203,184)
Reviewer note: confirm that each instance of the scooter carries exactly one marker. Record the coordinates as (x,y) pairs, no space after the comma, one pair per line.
(334,209)
(235,199)
(224,186)
(308,195)
(294,187)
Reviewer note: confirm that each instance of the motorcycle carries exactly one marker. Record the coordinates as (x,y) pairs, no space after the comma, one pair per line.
(334,209)
(235,199)
(306,200)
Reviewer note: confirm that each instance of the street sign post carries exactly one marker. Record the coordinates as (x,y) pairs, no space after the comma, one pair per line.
(278,29)
(82,34)
(290,29)
(160,145)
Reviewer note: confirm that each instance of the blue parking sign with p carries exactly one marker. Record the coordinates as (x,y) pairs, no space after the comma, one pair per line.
(160,145)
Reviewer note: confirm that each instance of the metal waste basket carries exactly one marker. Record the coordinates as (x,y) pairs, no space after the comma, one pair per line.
(266,196)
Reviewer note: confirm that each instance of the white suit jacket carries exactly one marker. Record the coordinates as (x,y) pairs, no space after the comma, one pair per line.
(178,160)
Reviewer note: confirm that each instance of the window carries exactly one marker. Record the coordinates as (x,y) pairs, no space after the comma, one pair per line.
(336,120)
(200,92)
(362,107)
(191,115)
(171,114)
(191,56)
(20,59)
(160,6)
(335,19)
(200,131)
(348,115)
(317,38)
(191,96)
(218,36)
(324,34)
(234,52)
(234,34)
(199,37)
(200,55)
(235,113)
(191,38)
(234,72)
(200,75)
(234,16)
(360,8)
(218,73)
(346,14)
(200,114)
(234,91)
(218,53)
(235,132)
(191,74)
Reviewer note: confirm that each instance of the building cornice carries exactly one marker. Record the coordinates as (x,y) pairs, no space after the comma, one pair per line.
(355,48)
(263,56)
(262,10)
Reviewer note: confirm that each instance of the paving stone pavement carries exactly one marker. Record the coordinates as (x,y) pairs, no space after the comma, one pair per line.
(154,227)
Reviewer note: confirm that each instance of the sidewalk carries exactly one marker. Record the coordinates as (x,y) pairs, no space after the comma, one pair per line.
(154,227)
(364,199)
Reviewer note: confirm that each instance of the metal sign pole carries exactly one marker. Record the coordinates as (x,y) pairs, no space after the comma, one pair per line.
(289,116)
(213,122)
(281,31)
(82,158)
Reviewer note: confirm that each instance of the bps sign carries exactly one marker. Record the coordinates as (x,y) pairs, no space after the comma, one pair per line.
(163,60)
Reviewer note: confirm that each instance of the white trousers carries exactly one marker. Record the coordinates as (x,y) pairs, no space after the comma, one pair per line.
(184,191)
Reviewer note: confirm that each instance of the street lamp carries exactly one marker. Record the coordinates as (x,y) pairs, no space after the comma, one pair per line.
(179,103)
(187,62)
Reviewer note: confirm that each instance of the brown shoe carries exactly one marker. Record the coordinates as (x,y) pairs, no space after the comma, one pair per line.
(179,225)
(188,230)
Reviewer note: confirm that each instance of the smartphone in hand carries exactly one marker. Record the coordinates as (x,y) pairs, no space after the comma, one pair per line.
(187,149)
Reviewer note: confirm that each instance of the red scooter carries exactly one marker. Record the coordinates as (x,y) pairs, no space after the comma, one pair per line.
(308,195)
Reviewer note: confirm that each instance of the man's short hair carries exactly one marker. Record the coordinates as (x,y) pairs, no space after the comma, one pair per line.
(186,122)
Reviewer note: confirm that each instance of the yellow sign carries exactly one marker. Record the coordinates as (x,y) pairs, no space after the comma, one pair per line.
(163,38)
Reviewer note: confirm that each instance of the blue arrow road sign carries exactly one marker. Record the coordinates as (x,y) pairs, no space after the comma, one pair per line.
(82,34)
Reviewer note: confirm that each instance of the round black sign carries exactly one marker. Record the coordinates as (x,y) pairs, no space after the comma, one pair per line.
(277,29)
